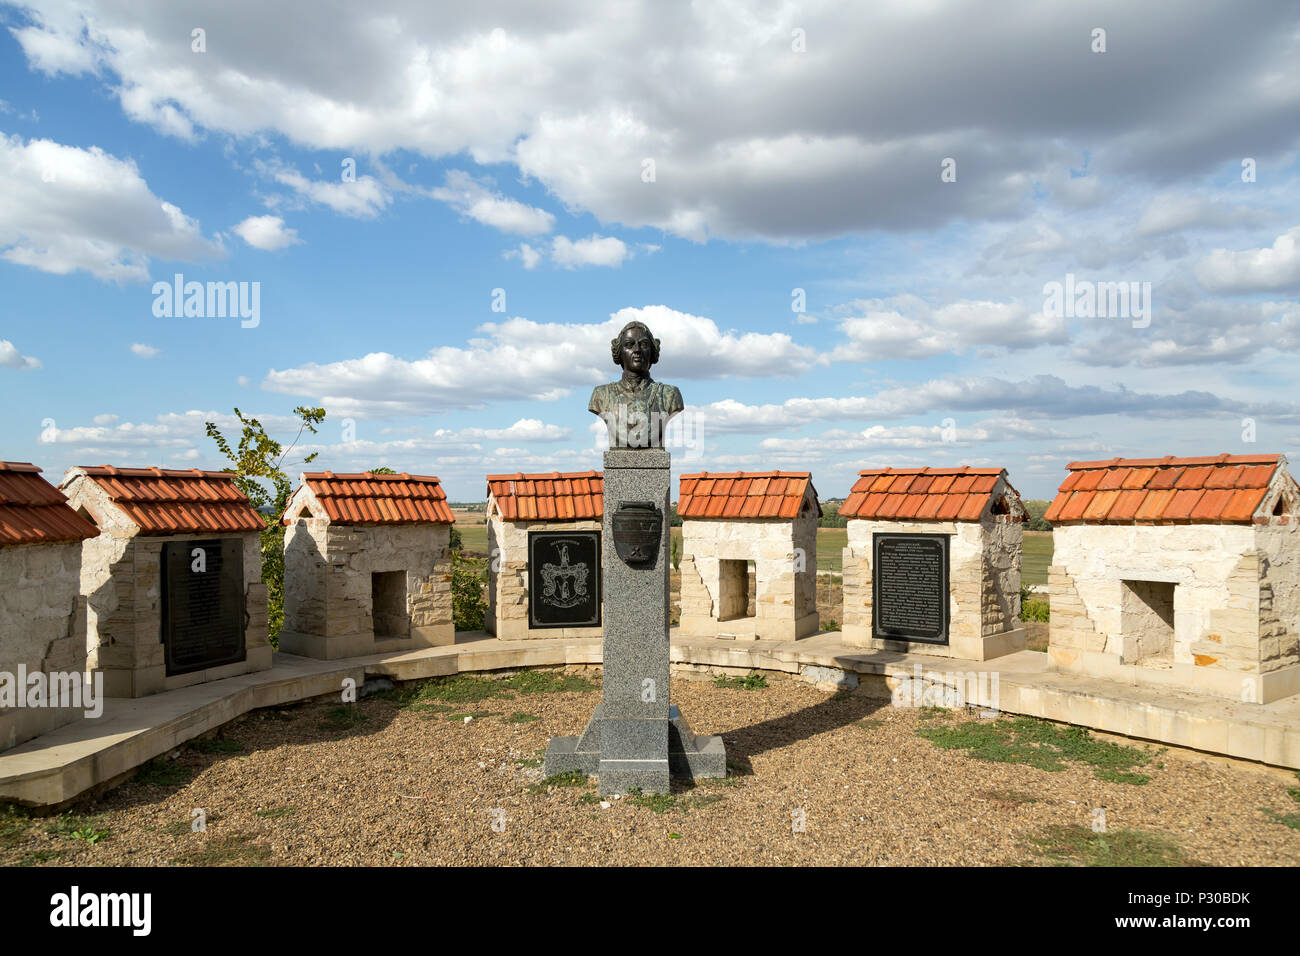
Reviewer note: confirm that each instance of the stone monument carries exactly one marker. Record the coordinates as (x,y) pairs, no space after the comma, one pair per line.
(636,738)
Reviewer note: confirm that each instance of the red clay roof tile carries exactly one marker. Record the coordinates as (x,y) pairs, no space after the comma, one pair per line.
(745,494)
(927,494)
(378,499)
(33,511)
(559,496)
(1207,489)
(173,501)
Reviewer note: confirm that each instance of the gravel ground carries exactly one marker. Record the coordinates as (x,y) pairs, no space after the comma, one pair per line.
(405,785)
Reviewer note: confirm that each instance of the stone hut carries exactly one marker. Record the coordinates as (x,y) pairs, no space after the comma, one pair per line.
(367,565)
(1179,573)
(933,562)
(173,583)
(767,519)
(42,619)
(544,572)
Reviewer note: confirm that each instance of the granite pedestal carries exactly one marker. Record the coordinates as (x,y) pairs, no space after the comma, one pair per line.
(636,738)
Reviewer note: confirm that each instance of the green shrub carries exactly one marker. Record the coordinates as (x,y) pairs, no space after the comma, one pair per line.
(468,606)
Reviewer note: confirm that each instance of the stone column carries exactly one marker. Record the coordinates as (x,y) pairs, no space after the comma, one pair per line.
(636,738)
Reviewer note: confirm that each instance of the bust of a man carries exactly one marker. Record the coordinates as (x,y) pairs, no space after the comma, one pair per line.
(636,408)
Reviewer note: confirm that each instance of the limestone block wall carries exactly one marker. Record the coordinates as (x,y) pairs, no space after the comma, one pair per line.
(507,615)
(983,586)
(785,577)
(42,628)
(329,610)
(121,580)
(1235,611)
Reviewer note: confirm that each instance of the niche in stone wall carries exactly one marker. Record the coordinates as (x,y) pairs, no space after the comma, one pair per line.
(735,589)
(388,603)
(1147,623)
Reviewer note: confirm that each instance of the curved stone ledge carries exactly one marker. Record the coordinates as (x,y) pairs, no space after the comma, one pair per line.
(67,762)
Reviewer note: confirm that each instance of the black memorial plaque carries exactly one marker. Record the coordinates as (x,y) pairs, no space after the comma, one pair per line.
(909,587)
(203,617)
(563,578)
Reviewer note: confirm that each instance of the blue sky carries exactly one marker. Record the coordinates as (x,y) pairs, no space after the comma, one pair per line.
(794,148)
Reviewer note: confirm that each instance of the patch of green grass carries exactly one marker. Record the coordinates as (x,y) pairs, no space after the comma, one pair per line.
(1075,845)
(73,826)
(869,723)
(231,849)
(930,712)
(751,682)
(1294,792)
(663,802)
(674,836)
(589,797)
(1119,776)
(272,813)
(343,717)
(41,856)
(1291,820)
(570,778)
(1037,743)
(520,718)
(548,682)
(215,745)
(162,772)
(14,822)
(534,761)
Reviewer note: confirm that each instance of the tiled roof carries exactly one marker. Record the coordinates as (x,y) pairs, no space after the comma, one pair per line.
(33,511)
(166,501)
(923,494)
(1227,488)
(559,496)
(744,494)
(368,498)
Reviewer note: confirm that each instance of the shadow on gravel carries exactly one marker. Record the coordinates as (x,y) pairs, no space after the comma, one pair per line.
(833,713)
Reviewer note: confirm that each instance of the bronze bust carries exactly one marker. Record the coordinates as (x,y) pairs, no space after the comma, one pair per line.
(636,408)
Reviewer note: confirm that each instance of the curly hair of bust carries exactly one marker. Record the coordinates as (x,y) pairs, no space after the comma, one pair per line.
(616,343)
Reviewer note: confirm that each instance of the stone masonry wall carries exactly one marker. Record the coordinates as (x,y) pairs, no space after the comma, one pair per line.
(1216,599)
(785,575)
(966,576)
(507,616)
(1279,594)
(42,627)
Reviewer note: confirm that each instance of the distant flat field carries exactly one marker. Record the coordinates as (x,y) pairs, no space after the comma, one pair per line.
(1037,553)
(472,530)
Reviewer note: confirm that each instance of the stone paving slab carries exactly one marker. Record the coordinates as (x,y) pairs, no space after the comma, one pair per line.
(59,765)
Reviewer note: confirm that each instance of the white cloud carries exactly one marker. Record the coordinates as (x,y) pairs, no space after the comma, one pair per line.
(546,361)
(106,419)
(595,250)
(68,208)
(1275,269)
(1039,397)
(363,198)
(266,232)
(10,357)
(762,143)
(1171,212)
(905,326)
(473,198)
(526,254)
(145,351)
